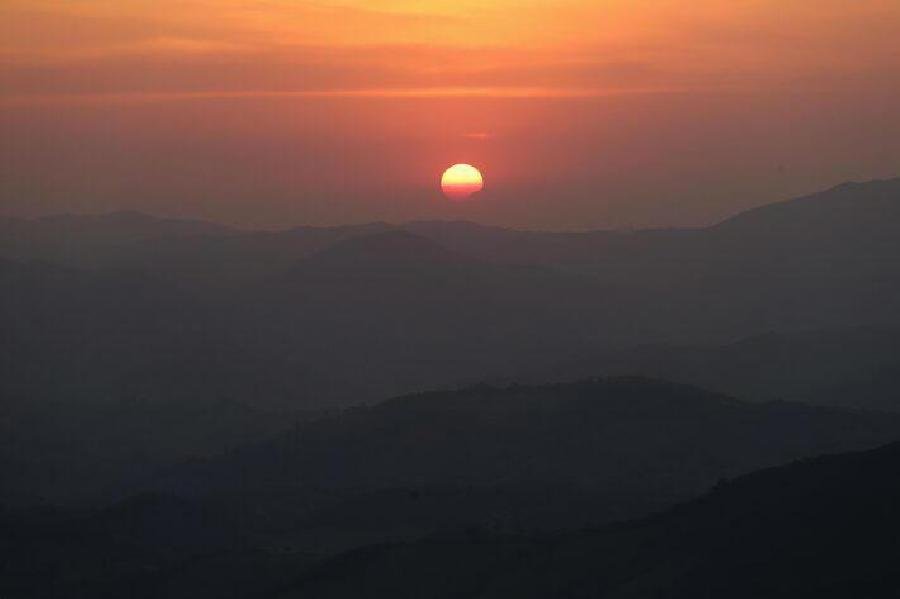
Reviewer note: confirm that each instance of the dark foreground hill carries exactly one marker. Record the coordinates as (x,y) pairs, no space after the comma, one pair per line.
(517,458)
(823,528)
(149,546)
(820,528)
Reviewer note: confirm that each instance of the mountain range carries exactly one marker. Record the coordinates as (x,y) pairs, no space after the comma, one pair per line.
(424,305)
(816,528)
(515,458)
(445,409)
(793,301)
(581,490)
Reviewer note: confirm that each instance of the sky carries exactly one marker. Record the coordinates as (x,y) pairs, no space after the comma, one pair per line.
(580,114)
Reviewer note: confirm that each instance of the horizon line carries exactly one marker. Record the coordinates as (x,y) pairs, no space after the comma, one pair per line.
(524,92)
(624,229)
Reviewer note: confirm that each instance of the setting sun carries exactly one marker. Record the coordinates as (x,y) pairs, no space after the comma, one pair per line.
(461,181)
(225,258)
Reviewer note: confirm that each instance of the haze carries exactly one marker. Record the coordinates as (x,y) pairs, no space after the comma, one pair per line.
(456,299)
(581,114)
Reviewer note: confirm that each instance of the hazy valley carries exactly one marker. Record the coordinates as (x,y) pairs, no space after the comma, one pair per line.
(446,409)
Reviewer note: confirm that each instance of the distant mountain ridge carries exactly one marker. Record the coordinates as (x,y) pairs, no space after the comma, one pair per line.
(391,251)
(847,205)
(874,204)
(463,303)
(854,366)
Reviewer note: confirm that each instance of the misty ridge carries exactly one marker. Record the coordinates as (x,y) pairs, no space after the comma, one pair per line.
(278,317)
(444,409)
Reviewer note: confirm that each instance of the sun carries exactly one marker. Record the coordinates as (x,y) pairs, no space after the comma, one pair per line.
(461,181)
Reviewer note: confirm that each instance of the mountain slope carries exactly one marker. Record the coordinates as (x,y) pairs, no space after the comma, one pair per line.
(852,367)
(866,214)
(390,251)
(854,207)
(516,458)
(148,546)
(822,528)
(446,305)
(79,240)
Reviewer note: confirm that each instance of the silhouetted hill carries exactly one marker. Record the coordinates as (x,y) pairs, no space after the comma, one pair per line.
(321,317)
(78,240)
(849,212)
(853,367)
(517,458)
(480,473)
(581,251)
(864,213)
(404,313)
(226,261)
(92,450)
(817,262)
(391,252)
(149,546)
(821,528)
(852,207)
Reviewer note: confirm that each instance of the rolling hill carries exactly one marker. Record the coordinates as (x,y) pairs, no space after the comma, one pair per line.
(819,527)
(826,527)
(516,458)
(852,367)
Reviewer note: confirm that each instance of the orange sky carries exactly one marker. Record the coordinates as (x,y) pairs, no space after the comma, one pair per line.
(554,46)
(503,81)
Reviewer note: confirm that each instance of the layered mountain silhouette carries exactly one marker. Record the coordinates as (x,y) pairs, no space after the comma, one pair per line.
(83,240)
(853,367)
(860,212)
(524,300)
(818,528)
(104,311)
(395,251)
(146,546)
(198,411)
(517,458)
(860,209)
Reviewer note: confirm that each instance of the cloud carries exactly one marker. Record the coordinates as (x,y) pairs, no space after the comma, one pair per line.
(556,47)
